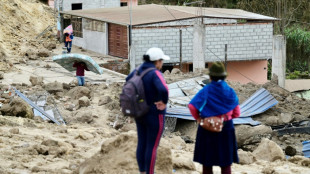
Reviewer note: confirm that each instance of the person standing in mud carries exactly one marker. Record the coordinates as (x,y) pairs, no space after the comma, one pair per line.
(220,100)
(68,41)
(80,71)
(150,127)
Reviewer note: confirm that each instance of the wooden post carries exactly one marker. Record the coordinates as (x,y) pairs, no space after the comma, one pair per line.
(226,57)
(181,66)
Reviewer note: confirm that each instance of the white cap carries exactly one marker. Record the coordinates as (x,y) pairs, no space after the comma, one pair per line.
(156,54)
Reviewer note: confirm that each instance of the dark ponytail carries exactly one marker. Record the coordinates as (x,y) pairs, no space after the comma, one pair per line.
(146,58)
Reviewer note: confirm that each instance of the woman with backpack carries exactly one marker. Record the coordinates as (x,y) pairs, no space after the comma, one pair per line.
(151,125)
(214,107)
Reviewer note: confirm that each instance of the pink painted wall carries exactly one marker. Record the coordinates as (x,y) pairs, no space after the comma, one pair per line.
(255,70)
(134,2)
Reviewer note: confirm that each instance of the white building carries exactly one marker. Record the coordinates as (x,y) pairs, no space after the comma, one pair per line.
(248,36)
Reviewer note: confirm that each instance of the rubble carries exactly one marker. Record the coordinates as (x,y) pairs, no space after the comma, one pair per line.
(78,92)
(104,100)
(113,151)
(84,102)
(245,157)
(17,107)
(268,151)
(36,80)
(53,87)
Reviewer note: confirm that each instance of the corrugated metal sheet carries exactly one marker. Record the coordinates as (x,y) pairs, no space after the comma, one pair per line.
(150,14)
(306,148)
(258,103)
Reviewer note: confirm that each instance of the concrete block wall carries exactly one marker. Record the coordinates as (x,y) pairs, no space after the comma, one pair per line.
(245,41)
(252,41)
(91,4)
(168,39)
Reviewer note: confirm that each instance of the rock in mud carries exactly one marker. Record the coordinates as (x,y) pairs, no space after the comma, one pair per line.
(251,135)
(104,100)
(113,105)
(245,157)
(84,102)
(272,121)
(84,117)
(17,107)
(53,87)
(36,81)
(269,151)
(78,92)
(300,160)
(287,117)
(176,71)
(44,53)
(290,151)
(14,131)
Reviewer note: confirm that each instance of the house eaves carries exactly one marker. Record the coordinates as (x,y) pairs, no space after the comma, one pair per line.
(151,14)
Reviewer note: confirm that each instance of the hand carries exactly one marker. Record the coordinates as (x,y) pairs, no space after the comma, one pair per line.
(198,120)
(160,105)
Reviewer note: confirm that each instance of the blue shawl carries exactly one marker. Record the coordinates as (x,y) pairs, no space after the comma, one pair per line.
(215,99)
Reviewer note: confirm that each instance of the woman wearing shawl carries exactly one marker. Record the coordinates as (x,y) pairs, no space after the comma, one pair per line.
(216,99)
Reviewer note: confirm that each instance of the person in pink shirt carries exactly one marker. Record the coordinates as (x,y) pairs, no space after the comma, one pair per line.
(216,99)
(80,72)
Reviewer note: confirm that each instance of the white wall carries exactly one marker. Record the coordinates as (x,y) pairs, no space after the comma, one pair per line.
(91,4)
(93,40)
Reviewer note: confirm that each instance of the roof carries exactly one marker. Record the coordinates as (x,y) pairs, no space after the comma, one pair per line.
(297,85)
(150,14)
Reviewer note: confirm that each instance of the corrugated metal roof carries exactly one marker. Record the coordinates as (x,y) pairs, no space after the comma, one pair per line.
(149,14)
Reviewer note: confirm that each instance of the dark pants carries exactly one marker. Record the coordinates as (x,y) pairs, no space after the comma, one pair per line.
(150,129)
(68,45)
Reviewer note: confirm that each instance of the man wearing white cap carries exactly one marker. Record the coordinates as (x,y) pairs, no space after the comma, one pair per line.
(150,127)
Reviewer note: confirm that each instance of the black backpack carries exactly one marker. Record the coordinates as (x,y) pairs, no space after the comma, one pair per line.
(132,98)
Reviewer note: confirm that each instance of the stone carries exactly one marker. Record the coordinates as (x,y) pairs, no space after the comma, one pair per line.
(268,151)
(1,75)
(78,92)
(14,131)
(47,66)
(113,105)
(272,121)
(85,136)
(43,53)
(17,107)
(167,72)
(49,142)
(84,116)
(299,117)
(287,117)
(53,87)
(250,135)
(245,158)
(50,46)
(84,102)
(290,151)
(69,106)
(300,160)
(176,71)
(104,100)
(36,81)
